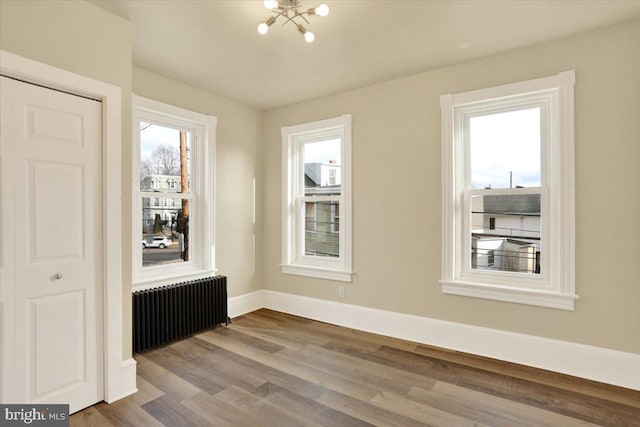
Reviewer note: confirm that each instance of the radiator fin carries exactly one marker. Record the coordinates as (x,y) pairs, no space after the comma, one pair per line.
(169,313)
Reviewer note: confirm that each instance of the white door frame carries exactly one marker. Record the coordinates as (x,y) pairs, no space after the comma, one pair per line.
(119,373)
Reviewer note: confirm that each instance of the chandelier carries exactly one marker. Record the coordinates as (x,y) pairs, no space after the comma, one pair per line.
(290,11)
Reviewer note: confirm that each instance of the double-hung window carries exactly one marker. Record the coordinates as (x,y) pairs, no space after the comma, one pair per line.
(173,189)
(508,192)
(316,211)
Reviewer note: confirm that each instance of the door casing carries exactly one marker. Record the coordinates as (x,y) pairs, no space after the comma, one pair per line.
(119,371)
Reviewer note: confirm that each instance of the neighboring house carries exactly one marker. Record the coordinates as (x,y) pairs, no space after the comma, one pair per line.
(167,208)
(322,175)
(506,232)
(322,219)
(164,183)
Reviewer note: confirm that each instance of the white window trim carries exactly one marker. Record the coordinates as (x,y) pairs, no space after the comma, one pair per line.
(335,229)
(556,287)
(293,262)
(202,238)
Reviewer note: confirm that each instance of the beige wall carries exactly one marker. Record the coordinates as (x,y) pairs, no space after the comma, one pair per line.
(396,191)
(237,138)
(396,170)
(81,38)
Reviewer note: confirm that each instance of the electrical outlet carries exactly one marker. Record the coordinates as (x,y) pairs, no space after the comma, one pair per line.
(341,291)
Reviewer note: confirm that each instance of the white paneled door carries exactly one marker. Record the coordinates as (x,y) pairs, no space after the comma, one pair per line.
(52,290)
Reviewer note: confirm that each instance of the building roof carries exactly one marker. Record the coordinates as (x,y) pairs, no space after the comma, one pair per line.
(512,204)
(313,180)
(312,174)
(164,179)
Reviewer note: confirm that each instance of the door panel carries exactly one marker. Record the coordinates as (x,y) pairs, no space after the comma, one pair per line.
(68,310)
(53,142)
(54,126)
(55,234)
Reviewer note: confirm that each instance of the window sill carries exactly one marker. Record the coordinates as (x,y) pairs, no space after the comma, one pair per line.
(521,296)
(143,284)
(317,272)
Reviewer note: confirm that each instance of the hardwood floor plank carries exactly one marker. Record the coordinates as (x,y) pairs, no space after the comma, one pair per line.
(294,333)
(566,382)
(368,373)
(164,380)
(171,412)
(283,338)
(281,320)
(366,411)
(146,392)
(220,413)
(90,417)
(169,359)
(93,416)
(299,369)
(271,414)
(314,329)
(263,370)
(274,369)
(566,402)
(309,409)
(262,344)
(493,410)
(224,366)
(356,337)
(125,413)
(423,413)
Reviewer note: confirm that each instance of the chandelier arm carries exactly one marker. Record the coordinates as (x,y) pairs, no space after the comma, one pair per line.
(301,15)
(282,13)
(291,18)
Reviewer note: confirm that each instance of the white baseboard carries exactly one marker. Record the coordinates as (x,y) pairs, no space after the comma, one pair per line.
(128,381)
(243,304)
(594,363)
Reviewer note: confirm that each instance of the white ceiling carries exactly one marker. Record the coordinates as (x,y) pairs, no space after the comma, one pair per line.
(214,44)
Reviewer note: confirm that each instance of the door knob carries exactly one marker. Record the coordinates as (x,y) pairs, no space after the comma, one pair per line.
(58,276)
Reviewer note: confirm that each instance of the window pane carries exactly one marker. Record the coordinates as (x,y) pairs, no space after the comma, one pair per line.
(164,156)
(322,165)
(165,231)
(321,231)
(505,233)
(505,149)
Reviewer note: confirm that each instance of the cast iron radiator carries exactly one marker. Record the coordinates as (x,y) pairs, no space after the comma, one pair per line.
(166,314)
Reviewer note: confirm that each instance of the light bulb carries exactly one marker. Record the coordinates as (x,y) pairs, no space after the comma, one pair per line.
(322,10)
(263,28)
(270,4)
(309,37)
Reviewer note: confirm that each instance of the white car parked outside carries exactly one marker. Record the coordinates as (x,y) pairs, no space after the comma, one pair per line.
(157,242)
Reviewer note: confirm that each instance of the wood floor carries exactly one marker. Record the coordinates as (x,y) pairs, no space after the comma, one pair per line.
(273,369)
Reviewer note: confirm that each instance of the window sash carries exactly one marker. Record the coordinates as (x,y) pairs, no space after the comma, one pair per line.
(298,160)
(516,279)
(462,146)
(556,286)
(159,194)
(299,213)
(294,259)
(201,194)
(301,219)
(462,134)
